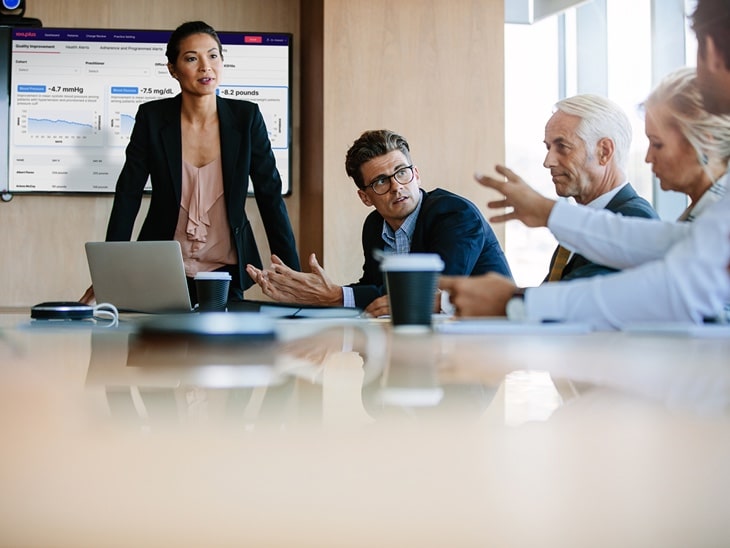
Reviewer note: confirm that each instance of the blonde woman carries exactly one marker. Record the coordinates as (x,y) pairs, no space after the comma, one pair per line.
(689,148)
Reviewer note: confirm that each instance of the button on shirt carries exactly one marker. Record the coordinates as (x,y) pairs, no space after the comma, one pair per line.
(396,241)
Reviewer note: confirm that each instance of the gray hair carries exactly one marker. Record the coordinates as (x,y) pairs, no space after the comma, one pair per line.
(600,118)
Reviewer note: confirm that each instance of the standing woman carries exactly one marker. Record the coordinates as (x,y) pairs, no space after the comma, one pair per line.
(199,150)
(689,148)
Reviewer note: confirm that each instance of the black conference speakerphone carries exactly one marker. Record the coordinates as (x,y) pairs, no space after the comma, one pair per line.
(61,310)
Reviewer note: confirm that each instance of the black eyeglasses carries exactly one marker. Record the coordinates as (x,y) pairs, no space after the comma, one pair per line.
(403,176)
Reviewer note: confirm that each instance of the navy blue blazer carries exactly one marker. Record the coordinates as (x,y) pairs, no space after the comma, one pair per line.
(155,150)
(447,224)
(626,202)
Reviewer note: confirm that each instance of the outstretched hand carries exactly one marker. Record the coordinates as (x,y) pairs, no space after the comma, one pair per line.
(527,205)
(284,284)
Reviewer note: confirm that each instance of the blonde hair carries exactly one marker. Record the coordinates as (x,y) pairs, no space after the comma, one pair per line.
(709,134)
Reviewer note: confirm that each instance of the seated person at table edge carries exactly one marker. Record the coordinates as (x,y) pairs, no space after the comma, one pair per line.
(588,139)
(406,219)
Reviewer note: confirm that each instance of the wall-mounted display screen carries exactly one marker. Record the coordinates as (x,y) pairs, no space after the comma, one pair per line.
(74,94)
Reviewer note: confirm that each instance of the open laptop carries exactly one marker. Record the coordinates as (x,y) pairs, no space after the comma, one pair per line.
(139,276)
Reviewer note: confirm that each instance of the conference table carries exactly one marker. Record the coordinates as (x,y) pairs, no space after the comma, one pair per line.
(347,432)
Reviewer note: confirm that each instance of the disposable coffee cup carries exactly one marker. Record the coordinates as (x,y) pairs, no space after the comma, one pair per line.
(212,289)
(411,280)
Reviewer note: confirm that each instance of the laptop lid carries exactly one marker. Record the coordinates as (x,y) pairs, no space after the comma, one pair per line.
(144,276)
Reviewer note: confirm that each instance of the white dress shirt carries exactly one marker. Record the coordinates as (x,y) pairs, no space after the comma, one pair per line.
(677,271)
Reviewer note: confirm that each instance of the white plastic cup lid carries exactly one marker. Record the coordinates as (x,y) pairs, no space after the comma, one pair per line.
(212,276)
(409,262)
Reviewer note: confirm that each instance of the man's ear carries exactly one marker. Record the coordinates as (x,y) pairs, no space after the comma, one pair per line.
(364,198)
(605,150)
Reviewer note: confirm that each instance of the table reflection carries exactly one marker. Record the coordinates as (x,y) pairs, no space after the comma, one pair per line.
(358,372)
(154,379)
(334,375)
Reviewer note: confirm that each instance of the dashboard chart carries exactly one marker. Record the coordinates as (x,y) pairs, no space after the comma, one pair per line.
(74,95)
(58,128)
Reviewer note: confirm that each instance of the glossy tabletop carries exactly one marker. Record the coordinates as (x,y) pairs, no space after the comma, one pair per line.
(347,433)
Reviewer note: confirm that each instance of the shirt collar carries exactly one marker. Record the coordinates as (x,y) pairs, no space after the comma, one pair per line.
(409,223)
(602,201)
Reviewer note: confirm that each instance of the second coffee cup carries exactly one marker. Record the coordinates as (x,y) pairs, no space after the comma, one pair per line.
(212,289)
(411,280)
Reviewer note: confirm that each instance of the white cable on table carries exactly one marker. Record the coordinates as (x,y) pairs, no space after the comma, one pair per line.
(107,311)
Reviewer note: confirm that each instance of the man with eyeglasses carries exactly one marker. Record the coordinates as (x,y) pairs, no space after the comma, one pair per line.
(678,272)
(406,219)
